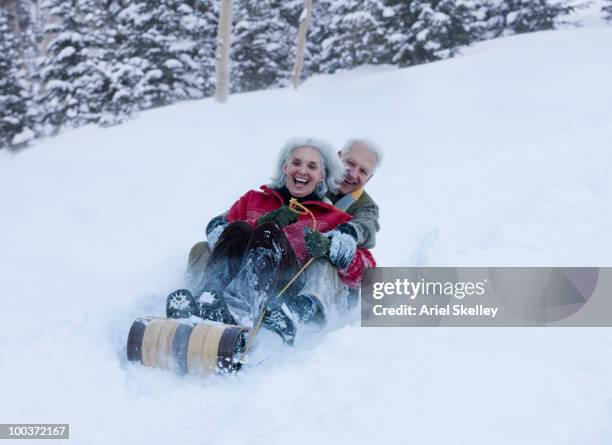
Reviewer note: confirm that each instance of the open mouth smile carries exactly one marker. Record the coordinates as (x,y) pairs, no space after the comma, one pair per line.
(349,181)
(300,182)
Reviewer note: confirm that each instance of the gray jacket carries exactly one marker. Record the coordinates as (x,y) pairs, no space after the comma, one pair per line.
(365,219)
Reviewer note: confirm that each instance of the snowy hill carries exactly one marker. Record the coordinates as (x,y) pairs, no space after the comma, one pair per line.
(499,157)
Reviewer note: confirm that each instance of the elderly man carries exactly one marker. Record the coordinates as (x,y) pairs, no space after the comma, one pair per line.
(361,158)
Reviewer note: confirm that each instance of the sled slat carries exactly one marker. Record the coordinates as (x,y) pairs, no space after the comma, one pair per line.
(179,348)
(150,344)
(194,351)
(210,349)
(166,337)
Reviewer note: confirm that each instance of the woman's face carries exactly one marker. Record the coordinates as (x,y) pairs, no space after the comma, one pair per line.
(304,170)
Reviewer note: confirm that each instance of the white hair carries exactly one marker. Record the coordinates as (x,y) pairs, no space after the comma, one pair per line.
(367,143)
(333,170)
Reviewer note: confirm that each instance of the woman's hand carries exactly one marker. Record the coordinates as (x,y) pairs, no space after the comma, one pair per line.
(283,216)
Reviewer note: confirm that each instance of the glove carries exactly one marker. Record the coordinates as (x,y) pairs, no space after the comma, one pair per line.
(317,244)
(282,217)
(214,230)
(343,246)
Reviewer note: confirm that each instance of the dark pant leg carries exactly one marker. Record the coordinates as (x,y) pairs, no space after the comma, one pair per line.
(275,260)
(226,258)
(268,264)
(196,266)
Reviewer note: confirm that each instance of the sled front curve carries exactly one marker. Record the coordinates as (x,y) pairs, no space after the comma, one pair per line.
(185,346)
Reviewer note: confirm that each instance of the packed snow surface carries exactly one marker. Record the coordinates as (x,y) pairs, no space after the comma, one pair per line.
(498,157)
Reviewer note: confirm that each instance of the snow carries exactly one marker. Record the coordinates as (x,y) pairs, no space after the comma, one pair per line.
(58,85)
(173,64)
(440,18)
(497,157)
(66,52)
(182,45)
(25,136)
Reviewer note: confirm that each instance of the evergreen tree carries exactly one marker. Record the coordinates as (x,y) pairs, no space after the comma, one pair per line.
(129,71)
(72,71)
(607,9)
(537,15)
(166,51)
(505,17)
(201,27)
(262,46)
(350,34)
(421,31)
(119,96)
(16,122)
(22,24)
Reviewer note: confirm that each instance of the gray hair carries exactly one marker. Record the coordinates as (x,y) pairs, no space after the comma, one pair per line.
(367,143)
(333,169)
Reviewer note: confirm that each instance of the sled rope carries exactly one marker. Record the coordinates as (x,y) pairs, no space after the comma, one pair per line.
(300,210)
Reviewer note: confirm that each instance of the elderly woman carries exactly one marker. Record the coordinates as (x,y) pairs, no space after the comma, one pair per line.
(262,242)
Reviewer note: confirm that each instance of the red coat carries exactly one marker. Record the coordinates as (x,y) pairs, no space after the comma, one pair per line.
(254,204)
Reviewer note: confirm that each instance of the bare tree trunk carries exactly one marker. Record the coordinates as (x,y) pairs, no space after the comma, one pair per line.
(16,18)
(224,34)
(18,35)
(301,43)
(45,19)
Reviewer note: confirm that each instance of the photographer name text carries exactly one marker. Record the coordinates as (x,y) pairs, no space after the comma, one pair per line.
(424,310)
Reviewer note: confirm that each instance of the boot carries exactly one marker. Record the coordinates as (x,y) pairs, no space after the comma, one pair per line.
(279,319)
(306,309)
(216,310)
(180,304)
(283,317)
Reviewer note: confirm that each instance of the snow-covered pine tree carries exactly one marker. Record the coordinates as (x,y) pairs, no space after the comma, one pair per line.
(165,51)
(607,9)
(72,76)
(350,33)
(505,17)
(21,21)
(121,98)
(16,123)
(192,26)
(421,31)
(200,27)
(32,41)
(262,46)
(537,15)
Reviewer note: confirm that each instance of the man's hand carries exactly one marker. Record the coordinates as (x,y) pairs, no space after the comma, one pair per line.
(282,217)
(317,244)
(338,245)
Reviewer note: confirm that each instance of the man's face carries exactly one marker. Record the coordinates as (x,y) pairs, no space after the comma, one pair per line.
(359,163)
